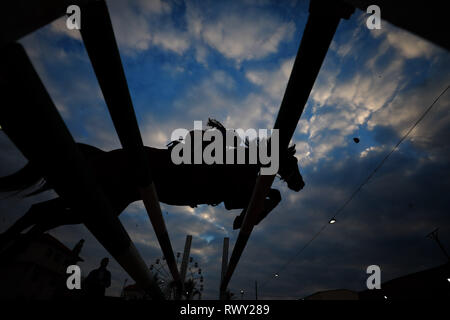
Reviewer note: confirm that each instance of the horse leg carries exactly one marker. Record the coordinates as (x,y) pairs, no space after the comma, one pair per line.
(272,199)
(237,204)
(58,218)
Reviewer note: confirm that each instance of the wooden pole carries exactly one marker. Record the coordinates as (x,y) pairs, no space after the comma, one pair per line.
(427,20)
(21,17)
(322,23)
(185,260)
(226,244)
(98,37)
(33,124)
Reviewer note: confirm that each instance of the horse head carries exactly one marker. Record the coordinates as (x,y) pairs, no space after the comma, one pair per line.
(289,170)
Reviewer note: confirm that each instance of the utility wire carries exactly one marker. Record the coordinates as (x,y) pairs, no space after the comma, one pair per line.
(365,181)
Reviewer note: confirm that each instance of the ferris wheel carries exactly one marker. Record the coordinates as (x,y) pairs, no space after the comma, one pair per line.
(193,279)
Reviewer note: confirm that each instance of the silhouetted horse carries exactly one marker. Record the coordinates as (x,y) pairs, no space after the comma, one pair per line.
(183,184)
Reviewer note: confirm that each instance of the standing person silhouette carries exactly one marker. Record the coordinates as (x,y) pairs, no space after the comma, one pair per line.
(98,280)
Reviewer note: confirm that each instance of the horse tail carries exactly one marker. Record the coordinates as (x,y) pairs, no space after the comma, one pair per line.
(30,176)
(23,179)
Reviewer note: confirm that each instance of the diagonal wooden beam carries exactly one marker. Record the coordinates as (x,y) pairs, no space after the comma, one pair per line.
(427,20)
(323,20)
(30,119)
(21,17)
(226,243)
(100,42)
(185,260)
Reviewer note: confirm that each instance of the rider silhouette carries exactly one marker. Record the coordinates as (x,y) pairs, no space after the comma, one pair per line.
(98,280)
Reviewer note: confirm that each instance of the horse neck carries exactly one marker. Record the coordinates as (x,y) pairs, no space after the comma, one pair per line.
(157,158)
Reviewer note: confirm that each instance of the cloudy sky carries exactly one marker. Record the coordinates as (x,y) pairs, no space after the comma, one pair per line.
(190,60)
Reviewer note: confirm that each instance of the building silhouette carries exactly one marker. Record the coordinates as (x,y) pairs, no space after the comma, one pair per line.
(37,269)
(429,284)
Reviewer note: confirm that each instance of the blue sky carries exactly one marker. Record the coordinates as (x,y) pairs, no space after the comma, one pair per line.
(190,60)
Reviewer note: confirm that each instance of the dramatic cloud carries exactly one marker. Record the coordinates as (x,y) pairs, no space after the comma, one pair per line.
(142,24)
(254,36)
(192,60)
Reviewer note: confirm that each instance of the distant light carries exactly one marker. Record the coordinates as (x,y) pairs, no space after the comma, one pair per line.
(385,297)
(332,221)
(276,275)
(448,279)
